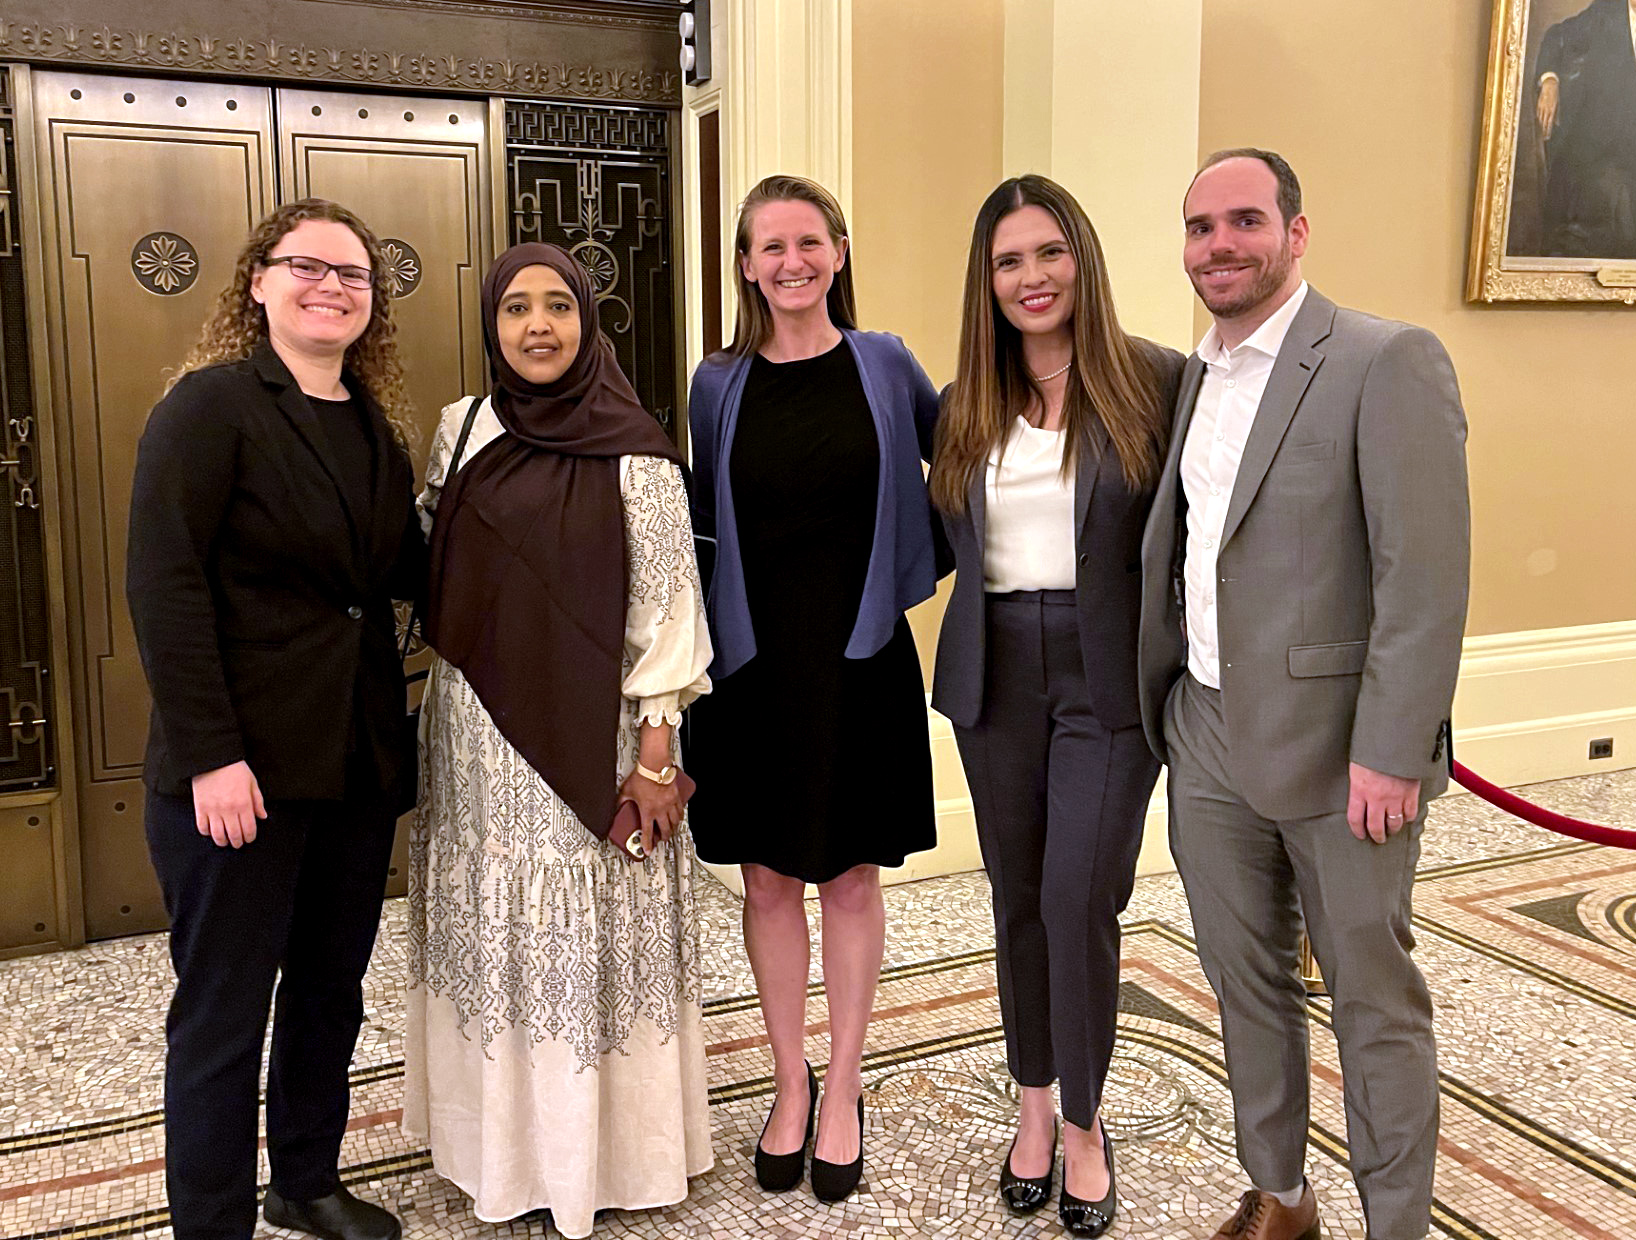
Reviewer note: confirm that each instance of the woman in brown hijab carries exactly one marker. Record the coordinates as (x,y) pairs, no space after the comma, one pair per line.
(555,1054)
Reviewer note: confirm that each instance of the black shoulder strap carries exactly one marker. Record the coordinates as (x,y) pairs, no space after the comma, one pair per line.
(407,637)
(460,443)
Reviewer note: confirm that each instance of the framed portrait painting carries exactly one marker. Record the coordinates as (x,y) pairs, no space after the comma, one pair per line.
(1555,216)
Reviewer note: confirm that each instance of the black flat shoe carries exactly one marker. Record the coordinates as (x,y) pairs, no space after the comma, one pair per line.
(832,1182)
(1023,1195)
(1090,1218)
(340,1216)
(778,1173)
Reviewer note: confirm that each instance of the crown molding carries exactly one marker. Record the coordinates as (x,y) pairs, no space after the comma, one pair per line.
(632,14)
(526,48)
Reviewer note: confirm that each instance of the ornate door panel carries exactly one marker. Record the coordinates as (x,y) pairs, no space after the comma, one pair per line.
(596,181)
(416,170)
(148,188)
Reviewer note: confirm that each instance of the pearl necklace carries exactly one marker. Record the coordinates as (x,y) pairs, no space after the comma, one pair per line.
(1054,374)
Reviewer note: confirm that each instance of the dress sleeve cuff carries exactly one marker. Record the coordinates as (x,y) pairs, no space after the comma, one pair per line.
(657,711)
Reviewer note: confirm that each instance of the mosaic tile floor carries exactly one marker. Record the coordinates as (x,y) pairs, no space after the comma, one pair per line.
(1528,941)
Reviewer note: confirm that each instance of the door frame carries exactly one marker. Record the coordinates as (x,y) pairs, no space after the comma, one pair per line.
(62,802)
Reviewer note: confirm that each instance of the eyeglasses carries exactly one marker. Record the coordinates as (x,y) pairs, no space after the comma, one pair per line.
(315,269)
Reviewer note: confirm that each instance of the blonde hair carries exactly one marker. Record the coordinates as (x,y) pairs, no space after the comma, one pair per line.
(754,325)
(239,323)
(1113,378)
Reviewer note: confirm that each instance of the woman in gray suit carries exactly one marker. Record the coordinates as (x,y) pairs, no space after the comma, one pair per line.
(1048,446)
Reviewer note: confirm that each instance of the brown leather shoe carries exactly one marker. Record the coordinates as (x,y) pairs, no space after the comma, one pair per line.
(1261,1217)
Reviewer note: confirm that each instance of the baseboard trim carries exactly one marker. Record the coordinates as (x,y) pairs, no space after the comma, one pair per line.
(1529,703)
(1527,707)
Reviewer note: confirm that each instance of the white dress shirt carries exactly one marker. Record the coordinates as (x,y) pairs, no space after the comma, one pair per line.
(1229,396)
(1028,529)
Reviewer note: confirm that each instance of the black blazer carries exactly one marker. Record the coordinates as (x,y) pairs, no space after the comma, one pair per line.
(1109,519)
(261,595)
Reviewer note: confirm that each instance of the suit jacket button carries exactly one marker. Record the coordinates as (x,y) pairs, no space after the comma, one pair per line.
(1084,559)
(356,612)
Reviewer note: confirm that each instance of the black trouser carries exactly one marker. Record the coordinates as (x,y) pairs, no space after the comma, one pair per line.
(1060,801)
(300,904)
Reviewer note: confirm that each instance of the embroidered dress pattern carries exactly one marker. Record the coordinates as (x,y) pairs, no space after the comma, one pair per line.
(523,917)
(555,987)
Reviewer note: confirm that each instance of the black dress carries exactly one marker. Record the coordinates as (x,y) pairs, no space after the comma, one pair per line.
(808,762)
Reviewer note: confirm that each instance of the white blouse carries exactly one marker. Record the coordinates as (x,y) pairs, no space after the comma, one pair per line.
(1028,541)
(667,643)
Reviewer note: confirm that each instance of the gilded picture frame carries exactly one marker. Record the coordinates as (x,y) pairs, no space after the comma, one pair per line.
(1555,212)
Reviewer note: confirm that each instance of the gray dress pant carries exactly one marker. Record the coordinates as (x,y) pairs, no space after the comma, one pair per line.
(1249,881)
(1060,801)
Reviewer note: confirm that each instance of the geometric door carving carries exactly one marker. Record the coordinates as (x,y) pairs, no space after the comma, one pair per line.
(596,181)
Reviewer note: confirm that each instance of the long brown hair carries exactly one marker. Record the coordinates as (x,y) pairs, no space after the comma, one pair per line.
(1113,378)
(239,323)
(754,325)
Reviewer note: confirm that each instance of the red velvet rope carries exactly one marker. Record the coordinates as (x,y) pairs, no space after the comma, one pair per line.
(1511,803)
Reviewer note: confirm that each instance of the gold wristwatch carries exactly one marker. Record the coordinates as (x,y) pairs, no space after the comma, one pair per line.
(664,776)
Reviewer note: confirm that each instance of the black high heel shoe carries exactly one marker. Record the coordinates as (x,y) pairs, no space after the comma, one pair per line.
(832,1182)
(778,1173)
(1090,1218)
(1021,1194)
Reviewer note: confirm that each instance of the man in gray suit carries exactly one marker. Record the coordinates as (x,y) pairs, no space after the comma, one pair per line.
(1305,571)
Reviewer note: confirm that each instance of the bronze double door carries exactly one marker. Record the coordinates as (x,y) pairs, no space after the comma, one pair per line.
(147,189)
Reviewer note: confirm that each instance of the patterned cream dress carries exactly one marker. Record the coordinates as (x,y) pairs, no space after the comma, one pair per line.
(555,1052)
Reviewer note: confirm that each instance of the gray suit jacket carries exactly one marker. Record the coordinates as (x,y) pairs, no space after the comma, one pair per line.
(1108,520)
(1343,567)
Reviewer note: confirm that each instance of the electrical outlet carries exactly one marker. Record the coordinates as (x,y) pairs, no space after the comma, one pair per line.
(1602,747)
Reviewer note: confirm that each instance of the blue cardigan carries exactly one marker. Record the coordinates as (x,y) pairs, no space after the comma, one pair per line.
(902,568)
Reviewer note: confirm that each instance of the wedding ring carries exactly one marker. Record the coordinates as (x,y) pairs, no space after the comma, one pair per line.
(1394,817)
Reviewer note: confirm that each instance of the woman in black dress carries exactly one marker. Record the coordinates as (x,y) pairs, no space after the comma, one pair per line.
(812,753)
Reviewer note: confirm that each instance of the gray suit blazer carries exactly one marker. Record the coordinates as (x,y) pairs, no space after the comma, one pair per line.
(1108,521)
(1343,567)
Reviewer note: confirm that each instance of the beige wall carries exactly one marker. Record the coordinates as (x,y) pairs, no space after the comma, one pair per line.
(927,134)
(1379,106)
(1125,122)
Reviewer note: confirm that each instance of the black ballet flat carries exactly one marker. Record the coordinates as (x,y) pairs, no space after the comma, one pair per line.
(1020,1194)
(778,1173)
(832,1182)
(1090,1218)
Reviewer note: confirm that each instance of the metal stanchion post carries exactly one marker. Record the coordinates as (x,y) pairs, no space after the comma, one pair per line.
(1310,973)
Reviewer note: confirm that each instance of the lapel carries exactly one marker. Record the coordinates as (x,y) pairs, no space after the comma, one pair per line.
(1092,457)
(977,506)
(1186,397)
(1298,360)
(879,412)
(322,508)
(1167,496)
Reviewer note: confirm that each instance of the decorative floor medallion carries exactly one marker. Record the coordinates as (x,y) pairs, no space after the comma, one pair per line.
(1525,940)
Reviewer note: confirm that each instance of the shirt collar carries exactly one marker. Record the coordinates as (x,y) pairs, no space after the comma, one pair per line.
(1267,339)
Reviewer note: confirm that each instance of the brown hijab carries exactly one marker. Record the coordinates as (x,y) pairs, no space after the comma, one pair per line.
(527,594)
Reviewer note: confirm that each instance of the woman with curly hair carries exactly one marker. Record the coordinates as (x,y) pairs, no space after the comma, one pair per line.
(272,524)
